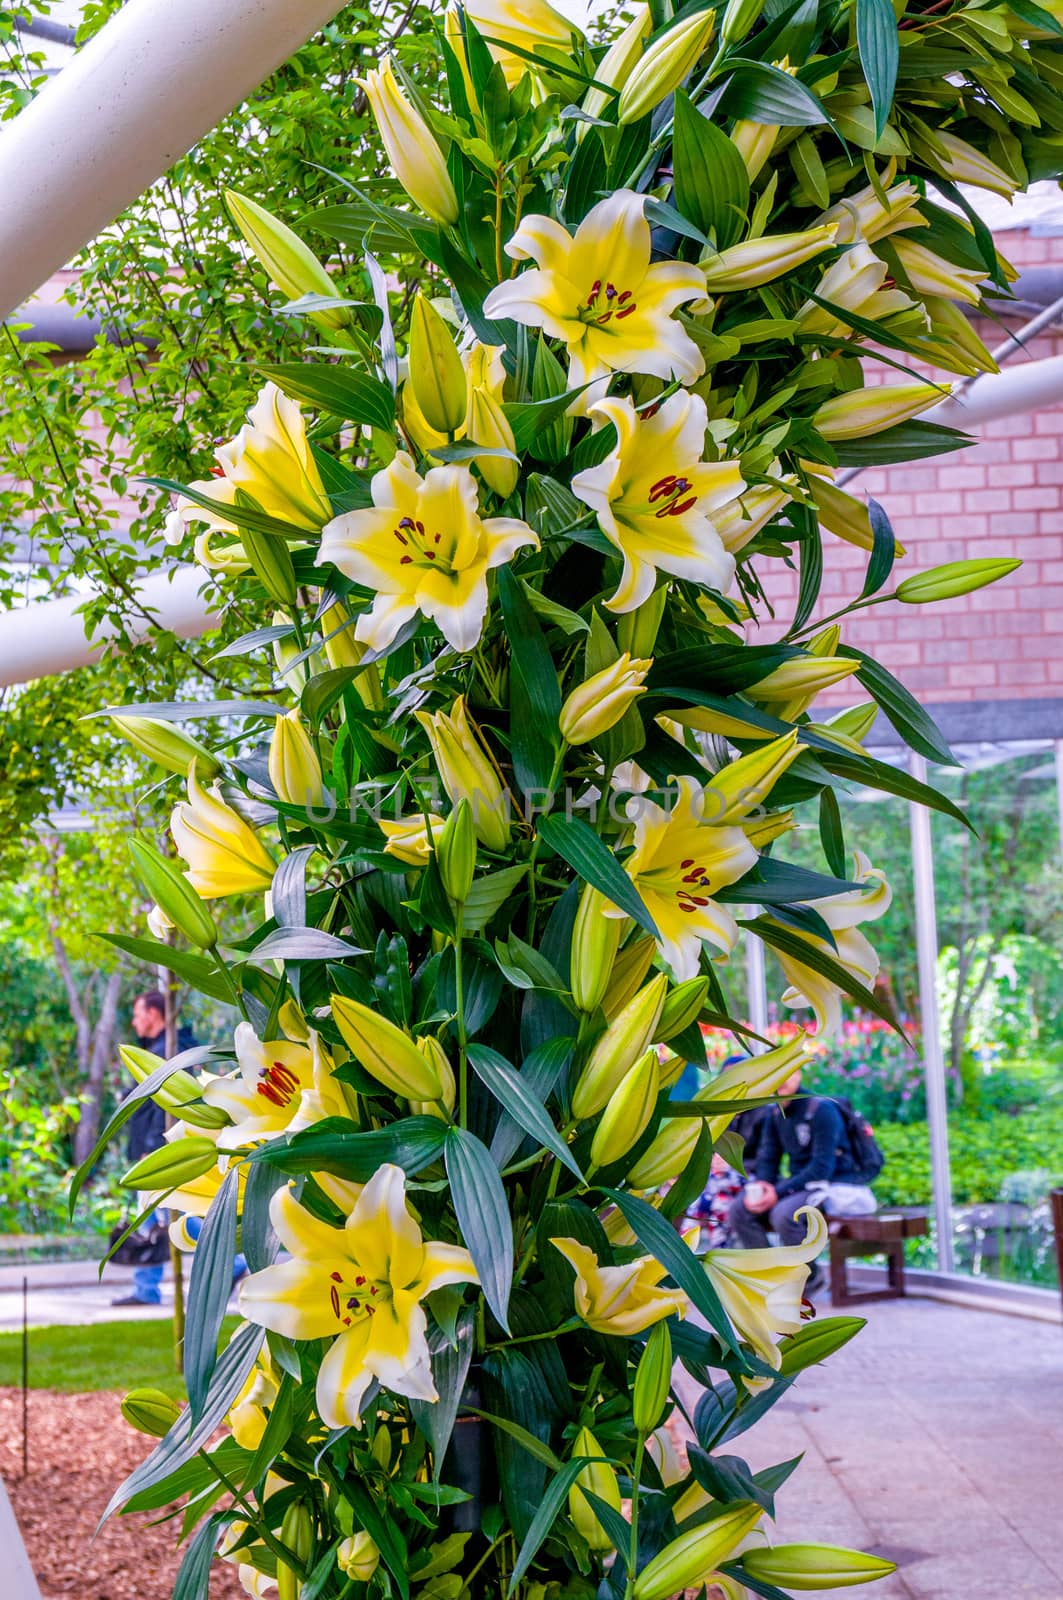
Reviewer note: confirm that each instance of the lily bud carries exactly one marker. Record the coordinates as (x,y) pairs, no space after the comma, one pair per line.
(598,704)
(664,65)
(619,1047)
(416,159)
(743,785)
(671,1066)
(342,649)
(616,66)
(409,839)
(173,1164)
(953,342)
(296,1535)
(271,562)
(815,1341)
(290,264)
(150,1411)
(802,679)
(843,514)
(627,1115)
(738,17)
(864,411)
(171,890)
(600,1479)
(385,1051)
(358,1557)
(436,1058)
(757,261)
(813,1566)
(456,852)
(629,970)
(755,142)
(683,1006)
(294,770)
(931,274)
(223,851)
(437,376)
(856,723)
(955,577)
(469,772)
(740,520)
(179,1095)
(690,1560)
(653,1380)
(964,164)
(167,746)
(636,631)
(487,424)
(864,216)
(595,942)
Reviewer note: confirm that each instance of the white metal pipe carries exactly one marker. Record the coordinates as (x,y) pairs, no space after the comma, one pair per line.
(756,989)
(48,636)
(926,939)
(1034,386)
(129,104)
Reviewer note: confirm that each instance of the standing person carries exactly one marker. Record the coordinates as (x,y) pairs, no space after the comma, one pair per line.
(147,1129)
(812,1135)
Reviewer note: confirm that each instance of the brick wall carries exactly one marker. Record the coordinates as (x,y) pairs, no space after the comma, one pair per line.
(1001,497)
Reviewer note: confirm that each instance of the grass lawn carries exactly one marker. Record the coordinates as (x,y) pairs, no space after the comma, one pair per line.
(107,1355)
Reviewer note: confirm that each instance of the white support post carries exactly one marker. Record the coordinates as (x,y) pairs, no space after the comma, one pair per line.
(155,79)
(926,938)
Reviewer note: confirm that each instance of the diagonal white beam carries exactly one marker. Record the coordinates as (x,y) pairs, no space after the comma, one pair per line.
(130,103)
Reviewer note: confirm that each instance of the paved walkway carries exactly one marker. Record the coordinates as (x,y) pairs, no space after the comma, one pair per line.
(70,1294)
(934,1440)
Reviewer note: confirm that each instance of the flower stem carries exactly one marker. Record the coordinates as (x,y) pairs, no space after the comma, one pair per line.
(633,1553)
(459,1006)
(280,1550)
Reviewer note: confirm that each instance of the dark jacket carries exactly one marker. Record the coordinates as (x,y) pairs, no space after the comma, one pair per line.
(812,1135)
(146,1128)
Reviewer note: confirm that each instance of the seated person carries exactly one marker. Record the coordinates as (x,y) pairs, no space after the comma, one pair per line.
(812,1134)
(724,1183)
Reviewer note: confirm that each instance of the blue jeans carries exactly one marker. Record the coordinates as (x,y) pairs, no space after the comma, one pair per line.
(147,1281)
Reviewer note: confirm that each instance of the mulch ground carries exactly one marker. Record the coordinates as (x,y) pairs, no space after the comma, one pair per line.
(80,1449)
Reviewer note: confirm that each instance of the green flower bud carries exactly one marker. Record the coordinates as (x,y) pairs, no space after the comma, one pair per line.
(456,852)
(289,263)
(683,1006)
(294,769)
(815,1341)
(437,376)
(664,65)
(629,970)
(738,17)
(688,1561)
(619,1047)
(358,1557)
(167,746)
(172,1164)
(595,942)
(150,1411)
(179,1095)
(955,577)
(813,1566)
(386,1051)
(271,562)
(600,1479)
(296,1535)
(169,887)
(627,1116)
(653,1380)
(636,631)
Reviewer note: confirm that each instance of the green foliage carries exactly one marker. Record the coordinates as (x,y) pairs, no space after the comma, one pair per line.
(983,1151)
(105,1355)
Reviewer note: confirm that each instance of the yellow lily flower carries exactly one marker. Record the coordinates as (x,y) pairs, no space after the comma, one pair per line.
(622,322)
(263,1097)
(761,1290)
(678,863)
(409,839)
(842,913)
(469,771)
(655,497)
(223,852)
(932,274)
(863,215)
(620,1300)
(269,460)
(362,1286)
(854,282)
(416,159)
(528,24)
(246,1416)
(423,547)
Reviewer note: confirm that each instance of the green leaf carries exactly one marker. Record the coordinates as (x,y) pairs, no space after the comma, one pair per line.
(514,1095)
(182,711)
(241,516)
(546,1516)
(831,833)
(539,1073)
(711,181)
(879,47)
(450,1368)
(883,549)
(773,882)
(208,1292)
(530,418)
(907,441)
(483,1216)
(728,1478)
(915,725)
(891,780)
(810,550)
(489,894)
(412,1143)
(534,693)
(816,1341)
(578,844)
(304,944)
(193,1577)
(759,92)
(354,396)
(661,1240)
(535,1447)
(195,970)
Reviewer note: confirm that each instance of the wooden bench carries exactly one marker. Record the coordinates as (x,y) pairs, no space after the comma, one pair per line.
(882,1233)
